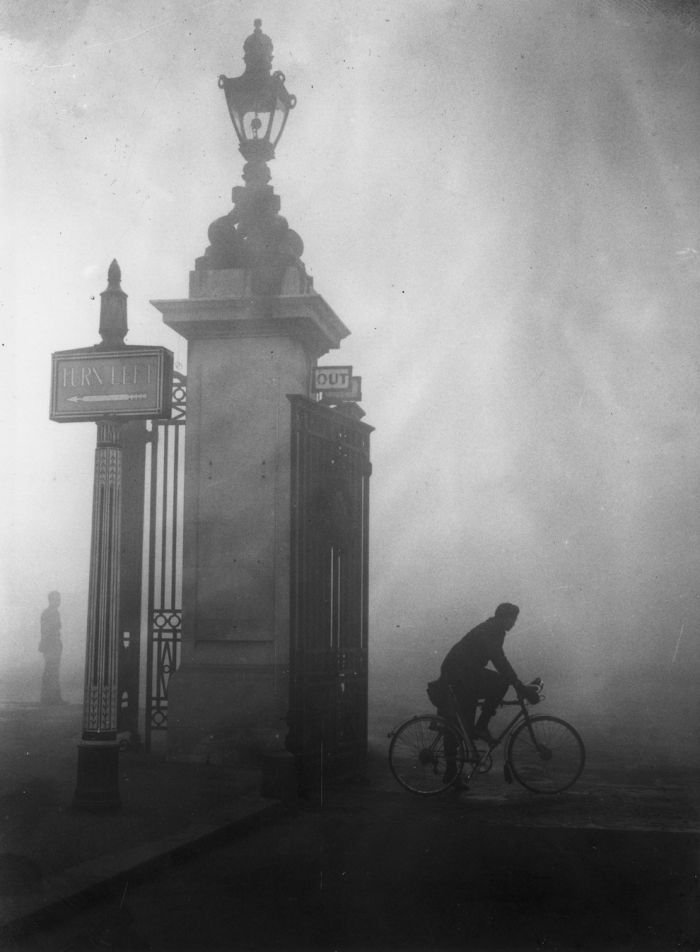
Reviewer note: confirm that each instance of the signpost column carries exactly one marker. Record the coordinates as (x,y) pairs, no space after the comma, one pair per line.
(110,384)
(98,751)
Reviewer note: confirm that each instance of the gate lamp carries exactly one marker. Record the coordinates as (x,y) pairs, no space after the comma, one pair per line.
(253,235)
(257,101)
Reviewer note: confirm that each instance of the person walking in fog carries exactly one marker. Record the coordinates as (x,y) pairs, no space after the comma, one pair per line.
(465,670)
(51,647)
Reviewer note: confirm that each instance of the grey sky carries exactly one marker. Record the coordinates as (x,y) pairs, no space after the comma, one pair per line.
(499,199)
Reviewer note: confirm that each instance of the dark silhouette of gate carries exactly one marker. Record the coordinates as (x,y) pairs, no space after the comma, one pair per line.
(331,467)
(166,469)
(330,470)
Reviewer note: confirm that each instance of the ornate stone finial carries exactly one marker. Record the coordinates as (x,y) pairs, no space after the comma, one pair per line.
(114,275)
(113,326)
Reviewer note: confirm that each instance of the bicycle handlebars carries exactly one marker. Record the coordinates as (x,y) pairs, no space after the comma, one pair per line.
(539,684)
(536,683)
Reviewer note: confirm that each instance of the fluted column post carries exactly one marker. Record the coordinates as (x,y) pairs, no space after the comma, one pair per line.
(98,751)
(113,384)
(97,787)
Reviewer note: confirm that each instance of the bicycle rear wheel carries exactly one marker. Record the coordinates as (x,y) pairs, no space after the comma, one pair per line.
(417,756)
(545,754)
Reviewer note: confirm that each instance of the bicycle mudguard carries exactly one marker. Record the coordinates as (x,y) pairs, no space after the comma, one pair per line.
(412,718)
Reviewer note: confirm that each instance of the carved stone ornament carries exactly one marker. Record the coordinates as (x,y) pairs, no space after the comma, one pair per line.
(253,235)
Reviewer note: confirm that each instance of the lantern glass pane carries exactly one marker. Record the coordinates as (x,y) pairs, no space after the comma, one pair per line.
(255,125)
(237,124)
(278,120)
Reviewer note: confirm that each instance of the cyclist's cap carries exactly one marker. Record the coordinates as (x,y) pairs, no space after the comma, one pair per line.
(506,610)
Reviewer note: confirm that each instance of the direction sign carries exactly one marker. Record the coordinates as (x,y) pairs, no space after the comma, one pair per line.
(331,378)
(92,384)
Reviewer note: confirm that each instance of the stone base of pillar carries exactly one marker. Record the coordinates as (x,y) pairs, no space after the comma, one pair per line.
(97,788)
(227,714)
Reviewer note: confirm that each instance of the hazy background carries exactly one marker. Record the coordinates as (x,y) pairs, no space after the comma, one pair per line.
(501,200)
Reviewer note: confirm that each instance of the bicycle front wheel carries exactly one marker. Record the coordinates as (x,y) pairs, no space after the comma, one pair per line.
(545,754)
(426,755)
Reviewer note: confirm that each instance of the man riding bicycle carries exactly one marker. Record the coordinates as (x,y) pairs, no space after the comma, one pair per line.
(464,669)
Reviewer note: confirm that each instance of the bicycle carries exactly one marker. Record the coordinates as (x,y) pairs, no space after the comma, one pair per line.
(544,754)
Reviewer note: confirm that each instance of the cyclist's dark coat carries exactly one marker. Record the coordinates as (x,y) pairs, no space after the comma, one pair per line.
(472,653)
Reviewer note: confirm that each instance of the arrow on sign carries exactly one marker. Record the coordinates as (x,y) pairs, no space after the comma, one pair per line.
(104,397)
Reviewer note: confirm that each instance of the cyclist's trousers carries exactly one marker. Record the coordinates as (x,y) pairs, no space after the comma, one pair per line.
(485,685)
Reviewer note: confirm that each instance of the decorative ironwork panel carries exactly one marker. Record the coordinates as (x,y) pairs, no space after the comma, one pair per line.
(164,655)
(179,398)
(329,572)
(166,468)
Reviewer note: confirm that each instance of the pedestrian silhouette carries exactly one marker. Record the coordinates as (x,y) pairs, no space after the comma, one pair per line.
(51,647)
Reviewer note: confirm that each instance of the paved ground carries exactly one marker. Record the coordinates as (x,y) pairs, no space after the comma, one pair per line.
(613,864)
(50,852)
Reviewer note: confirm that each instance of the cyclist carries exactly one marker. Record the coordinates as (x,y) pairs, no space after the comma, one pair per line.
(465,669)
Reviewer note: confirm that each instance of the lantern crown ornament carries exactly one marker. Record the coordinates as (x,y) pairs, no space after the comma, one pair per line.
(253,235)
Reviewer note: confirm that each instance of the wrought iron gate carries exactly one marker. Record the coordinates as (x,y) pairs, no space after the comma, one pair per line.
(166,468)
(329,574)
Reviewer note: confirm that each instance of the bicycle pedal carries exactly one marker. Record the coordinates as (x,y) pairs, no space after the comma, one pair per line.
(507,773)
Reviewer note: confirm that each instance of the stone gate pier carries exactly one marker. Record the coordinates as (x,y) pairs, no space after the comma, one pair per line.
(246,354)
(274,625)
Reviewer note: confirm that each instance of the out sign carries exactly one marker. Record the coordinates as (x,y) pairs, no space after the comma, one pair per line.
(332,378)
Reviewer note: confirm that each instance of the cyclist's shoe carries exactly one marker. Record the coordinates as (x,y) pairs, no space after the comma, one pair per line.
(483,733)
(450,774)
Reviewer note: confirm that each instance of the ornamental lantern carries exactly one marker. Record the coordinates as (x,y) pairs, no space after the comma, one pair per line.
(253,235)
(257,101)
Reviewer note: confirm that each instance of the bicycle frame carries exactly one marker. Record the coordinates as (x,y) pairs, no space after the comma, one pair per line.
(477,758)
(544,754)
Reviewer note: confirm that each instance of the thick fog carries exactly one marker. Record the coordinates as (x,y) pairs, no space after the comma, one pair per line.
(501,201)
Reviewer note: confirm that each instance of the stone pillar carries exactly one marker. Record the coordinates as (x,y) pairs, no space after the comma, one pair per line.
(229,698)
(98,752)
